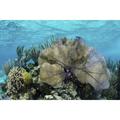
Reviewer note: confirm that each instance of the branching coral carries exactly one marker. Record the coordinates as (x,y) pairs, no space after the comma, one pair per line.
(113,92)
(23,56)
(7,66)
(20,51)
(34,54)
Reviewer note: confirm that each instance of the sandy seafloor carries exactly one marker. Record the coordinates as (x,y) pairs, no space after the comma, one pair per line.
(102,35)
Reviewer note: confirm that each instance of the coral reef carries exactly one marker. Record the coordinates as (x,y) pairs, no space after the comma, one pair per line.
(18,79)
(58,70)
(86,64)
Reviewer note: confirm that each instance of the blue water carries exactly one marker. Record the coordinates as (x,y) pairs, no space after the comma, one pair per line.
(102,35)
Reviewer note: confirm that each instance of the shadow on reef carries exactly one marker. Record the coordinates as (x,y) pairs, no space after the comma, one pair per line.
(60,70)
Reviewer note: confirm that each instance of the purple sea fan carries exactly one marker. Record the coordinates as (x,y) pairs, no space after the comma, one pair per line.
(95,71)
(82,61)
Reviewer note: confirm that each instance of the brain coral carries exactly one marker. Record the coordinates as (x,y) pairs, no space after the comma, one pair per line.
(18,78)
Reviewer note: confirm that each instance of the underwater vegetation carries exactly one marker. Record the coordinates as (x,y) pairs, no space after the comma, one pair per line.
(113,93)
(61,69)
(8,66)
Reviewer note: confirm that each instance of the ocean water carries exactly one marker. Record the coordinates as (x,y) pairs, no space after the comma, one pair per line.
(104,35)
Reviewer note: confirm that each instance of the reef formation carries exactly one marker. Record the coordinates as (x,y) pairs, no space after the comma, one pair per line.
(61,69)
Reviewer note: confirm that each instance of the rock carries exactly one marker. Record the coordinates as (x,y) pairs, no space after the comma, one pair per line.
(65,92)
(25,96)
(57,97)
(49,97)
